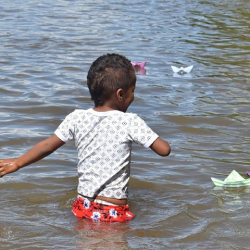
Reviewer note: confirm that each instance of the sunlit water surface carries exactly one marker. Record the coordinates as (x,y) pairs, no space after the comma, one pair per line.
(45,52)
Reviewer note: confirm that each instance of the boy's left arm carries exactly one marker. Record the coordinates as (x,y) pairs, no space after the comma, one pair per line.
(161,147)
(38,152)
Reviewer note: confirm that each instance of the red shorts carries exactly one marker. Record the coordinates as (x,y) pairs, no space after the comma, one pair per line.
(99,212)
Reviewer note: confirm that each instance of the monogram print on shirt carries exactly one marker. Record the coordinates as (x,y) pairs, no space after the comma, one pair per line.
(103,141)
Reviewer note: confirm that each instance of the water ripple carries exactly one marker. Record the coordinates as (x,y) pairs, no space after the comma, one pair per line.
(45,53)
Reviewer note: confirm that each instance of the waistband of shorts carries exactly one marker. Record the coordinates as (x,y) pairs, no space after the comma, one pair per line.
(96,200)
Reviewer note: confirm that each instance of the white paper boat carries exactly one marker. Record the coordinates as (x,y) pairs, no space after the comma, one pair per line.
(233,180)
(182,70)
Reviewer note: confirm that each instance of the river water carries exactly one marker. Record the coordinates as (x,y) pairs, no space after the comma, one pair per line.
(45,52)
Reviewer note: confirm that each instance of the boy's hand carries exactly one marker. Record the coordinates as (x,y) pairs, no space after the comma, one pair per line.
(38,152)
(7,166)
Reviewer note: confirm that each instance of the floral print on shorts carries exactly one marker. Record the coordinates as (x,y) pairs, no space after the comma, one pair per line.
(99,212)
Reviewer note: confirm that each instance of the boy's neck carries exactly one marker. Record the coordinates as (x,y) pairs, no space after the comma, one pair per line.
(104,108)
(111,104)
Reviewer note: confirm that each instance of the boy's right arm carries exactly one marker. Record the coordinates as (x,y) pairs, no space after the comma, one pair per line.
(161,147)
(38,152)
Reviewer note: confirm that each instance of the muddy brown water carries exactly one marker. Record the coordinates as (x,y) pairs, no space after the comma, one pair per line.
(45,52)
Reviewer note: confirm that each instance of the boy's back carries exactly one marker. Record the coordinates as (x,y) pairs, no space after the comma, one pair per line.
(103,141)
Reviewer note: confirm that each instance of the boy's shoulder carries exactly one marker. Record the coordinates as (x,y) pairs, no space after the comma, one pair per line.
(113,115)
(80,111)
(108,113)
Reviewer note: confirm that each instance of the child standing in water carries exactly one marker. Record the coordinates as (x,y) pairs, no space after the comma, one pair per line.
(103,136)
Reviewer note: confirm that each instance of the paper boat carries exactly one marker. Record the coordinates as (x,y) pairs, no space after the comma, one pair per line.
(182,70)
(233,180)
(139,64)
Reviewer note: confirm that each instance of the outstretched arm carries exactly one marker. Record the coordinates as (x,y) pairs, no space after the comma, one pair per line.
(38,152)
(161,147)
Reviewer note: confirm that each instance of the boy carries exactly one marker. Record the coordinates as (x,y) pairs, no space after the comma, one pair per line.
(103,136)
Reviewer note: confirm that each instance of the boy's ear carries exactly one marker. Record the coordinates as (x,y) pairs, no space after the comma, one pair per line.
(119,94)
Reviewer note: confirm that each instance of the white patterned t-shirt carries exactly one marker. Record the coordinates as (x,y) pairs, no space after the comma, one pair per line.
(103,141)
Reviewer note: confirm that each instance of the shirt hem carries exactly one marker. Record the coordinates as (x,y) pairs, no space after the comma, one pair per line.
(60,136)
(151,140)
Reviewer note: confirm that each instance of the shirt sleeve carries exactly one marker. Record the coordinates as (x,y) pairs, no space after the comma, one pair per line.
(141,133)
(66,129)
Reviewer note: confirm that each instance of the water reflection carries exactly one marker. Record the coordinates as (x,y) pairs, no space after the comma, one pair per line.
(232,200)
(96,235)
(139,70)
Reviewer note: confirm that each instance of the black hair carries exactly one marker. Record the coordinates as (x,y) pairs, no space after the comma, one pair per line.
(107,74)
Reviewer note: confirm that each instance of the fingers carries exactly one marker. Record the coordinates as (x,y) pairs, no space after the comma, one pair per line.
(2,173)
(2,169)
(6,167)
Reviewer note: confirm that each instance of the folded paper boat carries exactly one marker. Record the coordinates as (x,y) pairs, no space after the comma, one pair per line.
(182,70)
(233,180)
(139,64)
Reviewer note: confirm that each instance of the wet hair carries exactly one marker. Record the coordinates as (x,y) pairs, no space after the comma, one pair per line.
(107,74)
